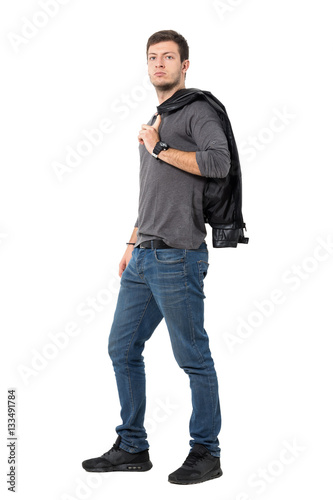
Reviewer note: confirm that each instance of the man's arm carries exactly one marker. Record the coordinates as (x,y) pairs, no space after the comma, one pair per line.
(213,157)
(128,253)
(181,159)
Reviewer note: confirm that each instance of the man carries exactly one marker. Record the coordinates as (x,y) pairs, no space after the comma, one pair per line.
(163,269)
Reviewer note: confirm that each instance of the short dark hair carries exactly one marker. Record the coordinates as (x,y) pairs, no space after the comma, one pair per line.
(170,36)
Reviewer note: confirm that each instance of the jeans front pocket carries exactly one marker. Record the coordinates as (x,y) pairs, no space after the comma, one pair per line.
(170,255)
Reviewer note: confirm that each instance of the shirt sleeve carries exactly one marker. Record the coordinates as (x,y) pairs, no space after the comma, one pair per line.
(205,127)
(137,222)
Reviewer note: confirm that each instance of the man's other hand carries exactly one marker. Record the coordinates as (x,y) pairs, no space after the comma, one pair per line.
(125,260)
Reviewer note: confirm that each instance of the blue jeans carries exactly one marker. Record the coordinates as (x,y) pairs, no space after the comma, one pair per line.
(156,284)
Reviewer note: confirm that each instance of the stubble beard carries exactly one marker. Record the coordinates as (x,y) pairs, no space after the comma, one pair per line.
(166,87)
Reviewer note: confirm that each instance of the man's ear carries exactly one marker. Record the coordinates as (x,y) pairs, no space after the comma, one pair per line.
(185,65)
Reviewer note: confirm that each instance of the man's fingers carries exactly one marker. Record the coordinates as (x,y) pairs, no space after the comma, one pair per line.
(149,135)
(157,122)
(155,126)
(122,267)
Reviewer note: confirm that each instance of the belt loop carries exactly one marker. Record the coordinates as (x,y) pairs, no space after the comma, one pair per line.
(152,244)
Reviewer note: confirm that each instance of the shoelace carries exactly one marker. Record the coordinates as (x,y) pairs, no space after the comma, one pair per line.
(193,459)
(115,448)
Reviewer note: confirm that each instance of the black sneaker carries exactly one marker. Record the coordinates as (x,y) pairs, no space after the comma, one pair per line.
(117,459)
(198,467)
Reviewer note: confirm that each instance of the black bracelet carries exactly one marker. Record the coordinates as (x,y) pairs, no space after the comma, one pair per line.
(130,243)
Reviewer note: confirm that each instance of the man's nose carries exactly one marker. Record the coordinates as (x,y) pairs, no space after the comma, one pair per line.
(159,63)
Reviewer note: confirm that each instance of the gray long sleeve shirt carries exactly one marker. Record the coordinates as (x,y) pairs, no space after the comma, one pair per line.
(170,199)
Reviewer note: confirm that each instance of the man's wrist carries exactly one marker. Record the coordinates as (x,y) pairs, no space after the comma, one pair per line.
(159,147)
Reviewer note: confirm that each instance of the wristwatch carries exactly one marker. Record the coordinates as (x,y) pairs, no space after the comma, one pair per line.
(160,146)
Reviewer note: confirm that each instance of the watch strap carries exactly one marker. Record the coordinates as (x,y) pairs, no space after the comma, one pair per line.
(160,146)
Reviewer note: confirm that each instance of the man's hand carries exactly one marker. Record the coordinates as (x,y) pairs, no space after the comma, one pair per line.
(149,135)
(125,260)
(128,254)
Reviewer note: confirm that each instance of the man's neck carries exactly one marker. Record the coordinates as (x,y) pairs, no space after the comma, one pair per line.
(163,95)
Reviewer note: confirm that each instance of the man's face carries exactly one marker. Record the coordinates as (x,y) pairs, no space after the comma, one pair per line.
(165,68)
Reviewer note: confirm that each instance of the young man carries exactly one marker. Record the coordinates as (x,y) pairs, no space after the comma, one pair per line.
(163,269)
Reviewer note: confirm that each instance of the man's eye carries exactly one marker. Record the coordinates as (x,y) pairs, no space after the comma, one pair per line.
(169,57)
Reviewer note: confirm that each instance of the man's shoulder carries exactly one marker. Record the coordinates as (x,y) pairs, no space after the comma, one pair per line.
(200,107)
(199,103)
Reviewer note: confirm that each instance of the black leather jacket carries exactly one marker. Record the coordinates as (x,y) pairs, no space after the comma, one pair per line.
(222,203)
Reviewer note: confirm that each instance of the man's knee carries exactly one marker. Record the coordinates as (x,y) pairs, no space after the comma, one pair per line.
(121,354)
(112,349)
(191,360)
(182,360)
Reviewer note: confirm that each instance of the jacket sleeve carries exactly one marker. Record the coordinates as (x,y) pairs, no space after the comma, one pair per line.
(205,127)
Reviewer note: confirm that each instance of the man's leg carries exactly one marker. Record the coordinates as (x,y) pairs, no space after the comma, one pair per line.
(135,319)
(176,280)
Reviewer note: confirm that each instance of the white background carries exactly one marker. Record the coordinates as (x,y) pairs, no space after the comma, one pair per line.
(61,239)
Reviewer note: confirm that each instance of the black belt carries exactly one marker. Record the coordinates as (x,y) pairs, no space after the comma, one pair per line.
(154,244)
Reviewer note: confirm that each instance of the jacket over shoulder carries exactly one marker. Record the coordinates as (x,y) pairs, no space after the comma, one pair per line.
(222,201)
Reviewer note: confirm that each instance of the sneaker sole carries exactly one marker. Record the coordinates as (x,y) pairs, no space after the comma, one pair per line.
(210,475)
(143,467)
